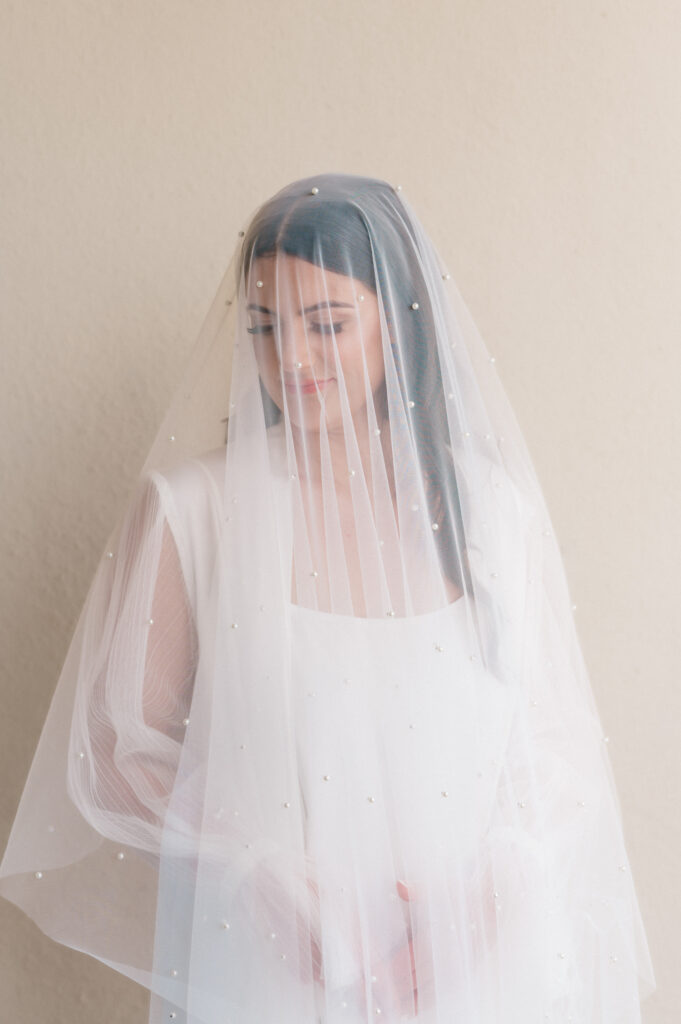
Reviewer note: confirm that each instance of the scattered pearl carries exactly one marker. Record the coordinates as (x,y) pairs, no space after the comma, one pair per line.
(326,778)
(414,305)
(297,365)
(314,190)
(38,874)
(606,739)
(174,972)
(410,404)
(120,855)
(242,746)
(109,554)
(81,754)
(398,188)
(521,803)
(235,625)
(352,472)
(390,612)
(445,792)
(446,277)
(371,799)
(225,925)
(282,956)
(172,1015)
(287,803)
(314,573)
(151,622)
(439,648)
(377,431)
(562,956)
(613,957)
(622,867)
(172,437)
(185,721)
(273,935)
(361,298)
(435,526)
(258,284)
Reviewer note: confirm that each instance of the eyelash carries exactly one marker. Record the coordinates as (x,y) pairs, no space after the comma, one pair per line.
(321,328)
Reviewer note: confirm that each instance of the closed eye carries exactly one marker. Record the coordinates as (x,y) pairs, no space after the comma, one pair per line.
(319,328)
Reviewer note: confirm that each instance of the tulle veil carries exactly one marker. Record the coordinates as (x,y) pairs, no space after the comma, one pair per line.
(339,485)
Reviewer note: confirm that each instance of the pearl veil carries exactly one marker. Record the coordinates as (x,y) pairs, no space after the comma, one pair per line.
(324,746)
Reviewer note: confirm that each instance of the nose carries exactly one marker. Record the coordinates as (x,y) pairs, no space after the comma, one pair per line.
(296,349)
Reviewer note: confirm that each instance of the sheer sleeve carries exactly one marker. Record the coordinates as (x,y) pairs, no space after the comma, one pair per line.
(137,668)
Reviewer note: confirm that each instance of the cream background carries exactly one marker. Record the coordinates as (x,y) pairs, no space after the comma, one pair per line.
(539,143)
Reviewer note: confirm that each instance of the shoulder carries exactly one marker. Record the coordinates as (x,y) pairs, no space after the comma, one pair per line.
(191,496)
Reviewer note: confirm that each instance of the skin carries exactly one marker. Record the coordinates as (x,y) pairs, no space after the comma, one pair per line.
(287,336)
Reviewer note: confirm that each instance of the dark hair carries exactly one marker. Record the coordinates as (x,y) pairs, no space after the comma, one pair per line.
(335,232)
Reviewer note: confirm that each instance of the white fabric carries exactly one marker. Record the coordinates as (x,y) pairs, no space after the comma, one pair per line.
(324,747)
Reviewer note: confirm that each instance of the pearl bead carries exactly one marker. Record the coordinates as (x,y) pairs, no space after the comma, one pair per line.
(81,754)
(151,622)
(435,526)
(282,956)
(326,778)
(445,792)
(492,359)
(241,234)
(574,607)
(235,625)
(446,277)
(622,867)
(390,612)
(314,190)
(410,404)
(120,855)
(314,573)
(172,437)
(361,298)
(439,648)
(225,925)
(521,803)
(185,721)
(371,799)
(562,956)
(287,803)
(273,935)
(606,739)
(398,188)
(38,874)
(414,305)
(377,431)
(613,957)
(494,575)
(352,472)
(174,972)
(109,554)
(297,365)
(258,284)
(242,746)
(172,1015)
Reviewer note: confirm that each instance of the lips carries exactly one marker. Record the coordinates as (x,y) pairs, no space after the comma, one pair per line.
(306,387)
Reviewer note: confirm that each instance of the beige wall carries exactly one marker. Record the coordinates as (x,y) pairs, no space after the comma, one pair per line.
(540,144)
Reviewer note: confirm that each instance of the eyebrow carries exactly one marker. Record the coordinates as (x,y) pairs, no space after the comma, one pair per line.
(308,309)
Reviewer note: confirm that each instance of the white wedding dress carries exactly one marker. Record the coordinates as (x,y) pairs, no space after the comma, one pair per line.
(389,712)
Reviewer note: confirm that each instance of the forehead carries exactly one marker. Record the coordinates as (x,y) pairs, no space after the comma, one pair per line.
(290,276)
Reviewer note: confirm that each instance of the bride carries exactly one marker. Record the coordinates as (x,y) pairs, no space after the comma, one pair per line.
(324,747)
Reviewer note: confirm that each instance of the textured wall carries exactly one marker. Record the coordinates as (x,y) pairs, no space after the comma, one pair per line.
(540,144)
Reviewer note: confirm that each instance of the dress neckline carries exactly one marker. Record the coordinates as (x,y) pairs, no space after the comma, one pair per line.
(453,607)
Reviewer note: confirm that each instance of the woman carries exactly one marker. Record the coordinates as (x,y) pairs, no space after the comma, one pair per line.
(324,746)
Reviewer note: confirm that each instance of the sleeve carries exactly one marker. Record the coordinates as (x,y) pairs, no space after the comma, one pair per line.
(137,661)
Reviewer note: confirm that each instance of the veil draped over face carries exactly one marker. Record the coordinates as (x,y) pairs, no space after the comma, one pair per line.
(324,746)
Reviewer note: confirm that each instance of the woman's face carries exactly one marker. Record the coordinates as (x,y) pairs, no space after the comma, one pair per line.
(297,322)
